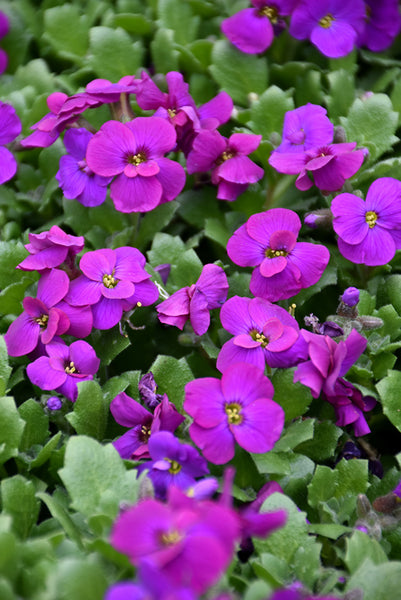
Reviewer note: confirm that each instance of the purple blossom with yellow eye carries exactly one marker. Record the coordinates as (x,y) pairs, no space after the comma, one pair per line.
(332,26)
(304,128)
(63,367)
(283,266)
(10,128)
(369,231)
(252,30)
(238,408)
(74,176)
(382,24)
(133,153)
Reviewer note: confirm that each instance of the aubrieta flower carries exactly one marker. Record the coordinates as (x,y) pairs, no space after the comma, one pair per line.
(133,153)
(251,30)
(232,170)
(195,302)
(264,334)
(332,26)
(189,542)
(268,241)
(305,128)
(74,176)
(172,463)
(382,24)
(142,423)
(4,29)
(349,406)
(238,408)
(63,367)
(369,230)
(50,249)
(113,281)
(147,387)
(10,128)
(350,296)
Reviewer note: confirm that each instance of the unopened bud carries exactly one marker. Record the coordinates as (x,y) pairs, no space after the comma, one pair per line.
(369,323)
(351,296)
(321,217)
(339,136)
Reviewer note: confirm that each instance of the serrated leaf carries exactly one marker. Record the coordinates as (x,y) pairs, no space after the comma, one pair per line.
(19,501)
(360,547)
(112,54)
(36,424)
(267,112)
(378,582)
(389,391)
(295,398)
(171,375)
(67,30)
(90,410)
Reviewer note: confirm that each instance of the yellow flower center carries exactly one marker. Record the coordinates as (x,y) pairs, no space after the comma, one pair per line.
(270,12)
(170,538)
(175,466)
(326,21)
(109,281)
(71,368)
(371,218)
(233,411)
(42,320)
(269,253)
(136,159)
(171,112)
(145,433)
(259,337)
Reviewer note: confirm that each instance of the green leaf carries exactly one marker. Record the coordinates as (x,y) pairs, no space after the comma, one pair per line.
(45,453)
(5,369)
(61,515)
(360,547)
(178,16)
(185,264)
(272,463)
(112,54)
(95,477)
(154,221)
(120,383)
(393,289)
(77,579)
(389,391)
(237,73)
(372,123)
(378,582)
(19,501)
(171,375)
(267,112)
(324,442)
(66,30)
(11,297)
(133,23)
(329,530)
(11,254)
(341,94)
(271,568)
(295,398)
(164,54)
(11,428)
(296,433)
(90,410)
(36,424)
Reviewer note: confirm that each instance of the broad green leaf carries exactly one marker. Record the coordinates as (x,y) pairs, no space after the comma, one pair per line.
(11,254)
(164,53)
(185,264)
(66,30)
(78,578)
(393,289)
(36,424)
(271,568)
(378,582)
(296,433)
(133,23)
(90,410)
(324,442)
(272,463)
(267,112)
(45,453)
(341,94)
(360,547)
(178,16)
(295,398)
(389,391)
(11,297)
(19,501)
(171,375)
(61,515)
(120,383)
(112,54)
(11,429)
(5,369)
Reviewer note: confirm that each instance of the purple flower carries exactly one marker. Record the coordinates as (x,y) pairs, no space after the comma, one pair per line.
(4,29)
(195,302)
(369,231)
(54,403)
(350,296)
(64,367)
(147,390)
(190,544)
(10,128)
(133,153)
(252,29)
(232,170)
(40,319)
(129,413)
(305,128)
(330,165)
(331,25)
(47,130)
(172,463)
(113,281)
(268,241)
(264,334)
(239,408)
(50,249)
(349,405)
(382,24)
(328,361)
(74,176)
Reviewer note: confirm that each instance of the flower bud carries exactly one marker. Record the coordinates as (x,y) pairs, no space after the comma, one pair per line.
(351,296)
(321,217)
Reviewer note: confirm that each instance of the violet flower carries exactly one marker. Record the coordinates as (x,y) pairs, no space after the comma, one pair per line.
(382,24)
(4,29)
(369,231)
(113,281)
(172,463)
(74,176)
(304,128)
(50,249)
(268,241)
(40,319)
(147,387)
(64,367)
(264,334)
(10,128)
(129,413)
(133,153)
(332,26)
(239,408)
(232,170)
(350,297)
(349,405)
(195,302)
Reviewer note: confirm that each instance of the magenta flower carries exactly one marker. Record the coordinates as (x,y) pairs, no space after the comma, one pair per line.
(349,405)
(113,281)
(252,29)
(40,319)
(133,153)
(64,367)
(74,176)
(369,230)
(195,302)
(47,130)
(50,249)
(190,544)
(264,334)
(331,25)
(330,165)
(382,24)
(328,361)
(268,241)
(142,423)
(306,128)
(4,29)
(239,408)
(10,128)
(232,170)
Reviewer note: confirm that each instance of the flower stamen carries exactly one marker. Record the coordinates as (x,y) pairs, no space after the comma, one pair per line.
(270,253)
(42,320)
(71,368)
(371,218)
(109,281)
(170,538)
(270,12)
(326,21)
(233,410)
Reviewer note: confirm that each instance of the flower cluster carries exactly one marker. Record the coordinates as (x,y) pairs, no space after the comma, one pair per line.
(10,128)
(333,26)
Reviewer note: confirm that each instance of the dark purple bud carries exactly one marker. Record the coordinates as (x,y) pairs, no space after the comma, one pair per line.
(164,271)
(339,135)
(54,403)
(351,296)
(376,468)
(319,218)
(147,391)
(331,329)
(350,451)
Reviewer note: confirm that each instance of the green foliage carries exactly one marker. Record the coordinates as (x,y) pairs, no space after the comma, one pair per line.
(11,429)
(112,54)
(90,410)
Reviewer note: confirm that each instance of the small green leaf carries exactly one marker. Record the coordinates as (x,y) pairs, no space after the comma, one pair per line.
(378,582)
(272,463)
(178,16)
(164,54)
(267,112)
(112,54)
(37,423)
(389,391)
(360,547)
(77,579)
(66,30)
(90,410)
(341,94)
(58,511)
(324,442)
(45,453)
(5,369)
(19,501)
(11,429)
(295,398)
(171,375)
(295,434)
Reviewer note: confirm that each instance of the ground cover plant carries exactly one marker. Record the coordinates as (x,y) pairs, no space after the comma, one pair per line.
(200,300)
